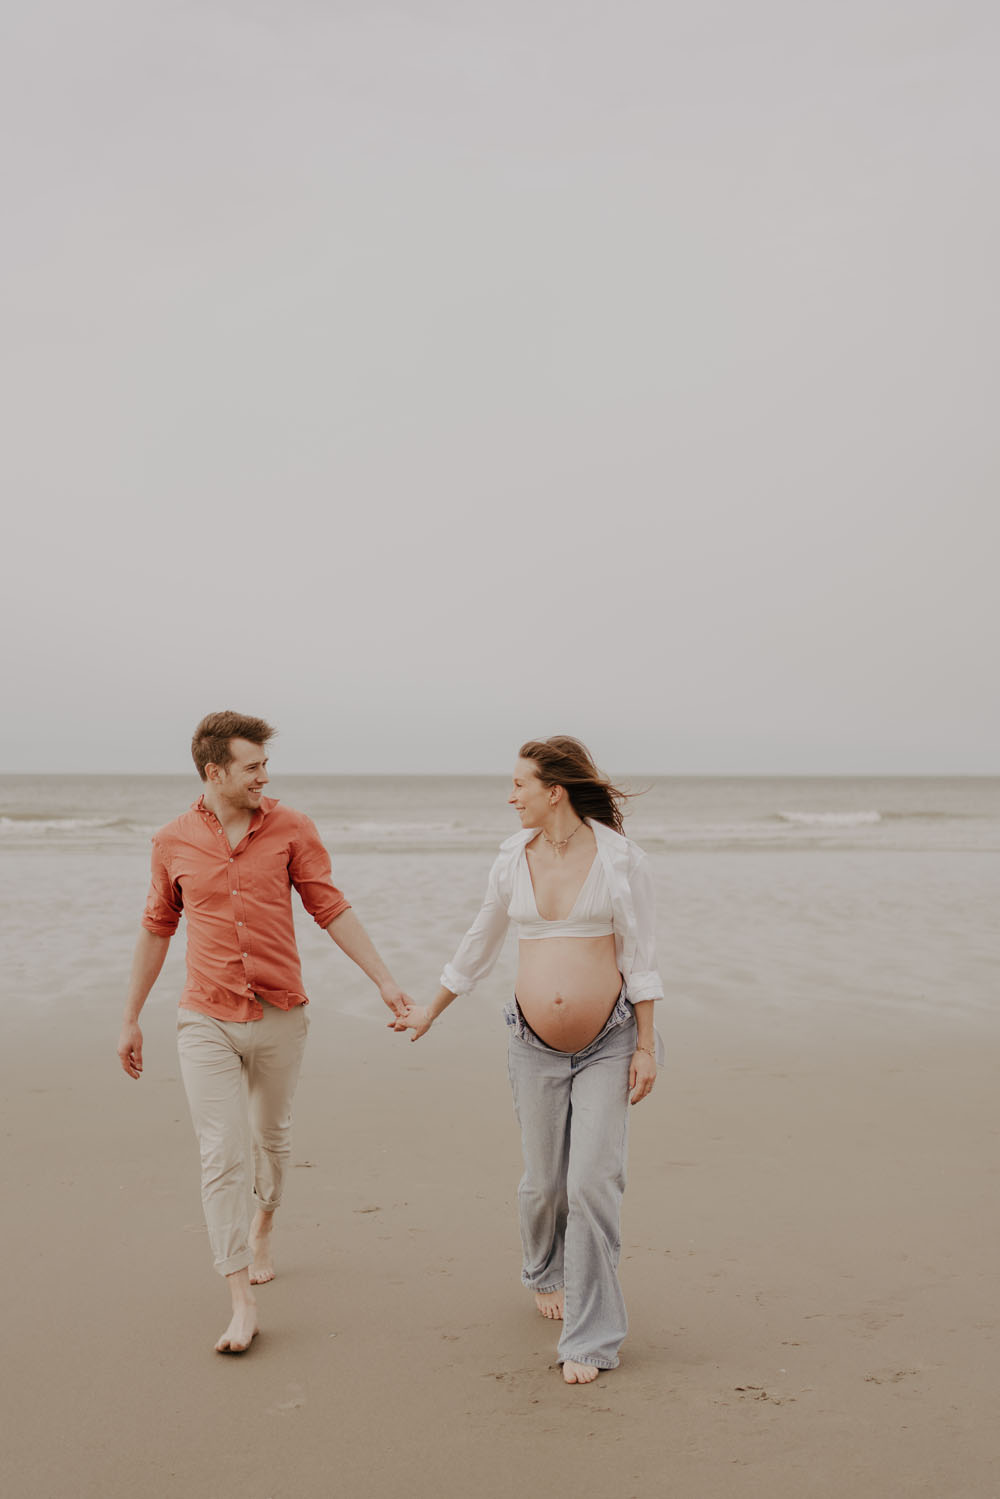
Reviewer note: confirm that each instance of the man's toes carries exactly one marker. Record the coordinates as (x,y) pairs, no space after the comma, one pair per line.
(232,1345)
(237,1339)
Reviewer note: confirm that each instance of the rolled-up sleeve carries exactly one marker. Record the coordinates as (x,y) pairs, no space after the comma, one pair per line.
(164,903)
(310,872)
(480,947)
(644,981)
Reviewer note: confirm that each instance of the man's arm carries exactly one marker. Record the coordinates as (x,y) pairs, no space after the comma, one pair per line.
(150,951)
(352,939)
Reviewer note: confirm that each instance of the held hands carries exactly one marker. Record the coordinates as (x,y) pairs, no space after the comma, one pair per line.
(641,1076)
(395,999)
(417,1018)
(130,1049)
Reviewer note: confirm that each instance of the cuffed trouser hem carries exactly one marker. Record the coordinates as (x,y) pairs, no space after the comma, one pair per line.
(556,1285)
(219,1060)
(588,1358)
(271,1206)
(236,1262)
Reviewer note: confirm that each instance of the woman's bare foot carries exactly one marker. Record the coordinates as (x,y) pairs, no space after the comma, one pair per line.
(550,1303)
(241,1331)
(574,1373)
(262,1269)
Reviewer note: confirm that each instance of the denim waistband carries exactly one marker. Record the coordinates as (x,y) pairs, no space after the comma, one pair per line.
(514,1016)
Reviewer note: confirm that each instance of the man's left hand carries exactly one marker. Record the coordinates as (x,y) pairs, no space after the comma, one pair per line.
(395,999)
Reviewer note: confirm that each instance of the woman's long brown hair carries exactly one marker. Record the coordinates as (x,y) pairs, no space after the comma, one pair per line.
(565,761)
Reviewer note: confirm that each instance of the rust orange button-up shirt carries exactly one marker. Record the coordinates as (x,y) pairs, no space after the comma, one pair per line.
(238,902)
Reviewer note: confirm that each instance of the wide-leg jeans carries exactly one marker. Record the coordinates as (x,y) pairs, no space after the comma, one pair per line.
(573,1111)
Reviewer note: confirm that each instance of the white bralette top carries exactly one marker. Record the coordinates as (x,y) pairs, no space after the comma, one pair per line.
(591,915)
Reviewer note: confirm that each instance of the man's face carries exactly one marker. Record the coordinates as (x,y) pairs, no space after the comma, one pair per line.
(241,783)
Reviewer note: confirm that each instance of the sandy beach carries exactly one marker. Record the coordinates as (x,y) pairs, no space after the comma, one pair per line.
(429,378)
(810,1227)
(809,1259)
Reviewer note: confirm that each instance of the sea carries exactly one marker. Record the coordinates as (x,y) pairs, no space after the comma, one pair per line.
(777,896)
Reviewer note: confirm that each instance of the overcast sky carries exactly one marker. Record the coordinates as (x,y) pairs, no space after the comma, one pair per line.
(430,376)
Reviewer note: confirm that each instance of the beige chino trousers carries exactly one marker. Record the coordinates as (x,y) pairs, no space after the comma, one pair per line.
(218,1058)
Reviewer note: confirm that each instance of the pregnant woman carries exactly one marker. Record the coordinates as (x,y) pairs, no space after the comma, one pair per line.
(582,1042)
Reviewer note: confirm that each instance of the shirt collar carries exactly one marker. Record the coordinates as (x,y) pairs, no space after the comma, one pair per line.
(267,806)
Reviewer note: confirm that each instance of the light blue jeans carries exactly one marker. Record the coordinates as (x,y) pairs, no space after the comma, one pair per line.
(573,1111)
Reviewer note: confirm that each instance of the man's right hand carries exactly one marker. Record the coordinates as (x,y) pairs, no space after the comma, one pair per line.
(130,1048)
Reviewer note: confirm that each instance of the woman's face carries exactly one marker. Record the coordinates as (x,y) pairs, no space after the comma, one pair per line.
(531,799)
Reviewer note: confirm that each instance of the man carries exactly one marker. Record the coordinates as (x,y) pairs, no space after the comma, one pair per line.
(229,864)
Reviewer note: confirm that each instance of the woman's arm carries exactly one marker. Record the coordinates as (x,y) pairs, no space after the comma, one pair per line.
(480,947)
(476,955)
(420,1018)
(644,981)
(642,1072)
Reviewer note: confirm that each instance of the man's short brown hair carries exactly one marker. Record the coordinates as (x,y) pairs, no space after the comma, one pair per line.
(210,741)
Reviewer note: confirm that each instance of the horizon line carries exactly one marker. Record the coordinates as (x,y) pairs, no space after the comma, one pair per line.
(677,775)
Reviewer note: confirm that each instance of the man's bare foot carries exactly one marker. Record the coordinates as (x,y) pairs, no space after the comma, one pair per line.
(262,1269)
(241,1331)
(551,1303)
(574,1373)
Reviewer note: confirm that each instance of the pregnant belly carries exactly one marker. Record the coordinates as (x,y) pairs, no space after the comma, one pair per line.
(567,987)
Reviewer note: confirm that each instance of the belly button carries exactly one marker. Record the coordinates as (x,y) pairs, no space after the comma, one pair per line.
(558,999)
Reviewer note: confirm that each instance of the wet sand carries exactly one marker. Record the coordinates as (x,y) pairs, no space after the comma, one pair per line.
(809,1257)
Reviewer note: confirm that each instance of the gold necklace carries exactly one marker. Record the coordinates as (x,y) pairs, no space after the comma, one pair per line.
(561,844)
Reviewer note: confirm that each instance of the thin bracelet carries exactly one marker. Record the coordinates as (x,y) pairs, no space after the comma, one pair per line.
(650,1049)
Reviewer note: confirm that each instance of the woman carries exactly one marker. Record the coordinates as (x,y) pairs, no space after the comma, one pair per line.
(582,1041)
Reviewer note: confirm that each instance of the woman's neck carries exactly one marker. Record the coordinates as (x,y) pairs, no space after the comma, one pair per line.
(558,829)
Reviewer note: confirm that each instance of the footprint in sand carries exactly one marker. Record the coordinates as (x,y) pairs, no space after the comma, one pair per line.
(890,1376)
(297,1399)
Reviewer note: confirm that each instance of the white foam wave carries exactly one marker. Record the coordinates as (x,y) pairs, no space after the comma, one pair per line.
(58,824)
(383,832)
(830,819)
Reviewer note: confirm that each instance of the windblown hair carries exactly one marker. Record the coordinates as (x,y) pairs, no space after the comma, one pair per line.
(210,742)
(564,761)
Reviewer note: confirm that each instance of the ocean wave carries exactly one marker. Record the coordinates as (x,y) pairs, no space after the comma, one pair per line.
(930,816)
(830,819)
(364,831)
(29,822)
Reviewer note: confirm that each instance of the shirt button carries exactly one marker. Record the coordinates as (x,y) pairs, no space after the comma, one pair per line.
(246,955)
(230,861)
(236,892)
(239,923)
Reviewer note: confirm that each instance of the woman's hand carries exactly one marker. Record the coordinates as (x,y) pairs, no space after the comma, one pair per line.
(641,1076)
(415,1018)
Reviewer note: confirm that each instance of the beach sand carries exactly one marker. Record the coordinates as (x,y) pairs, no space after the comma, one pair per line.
(809,1257)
